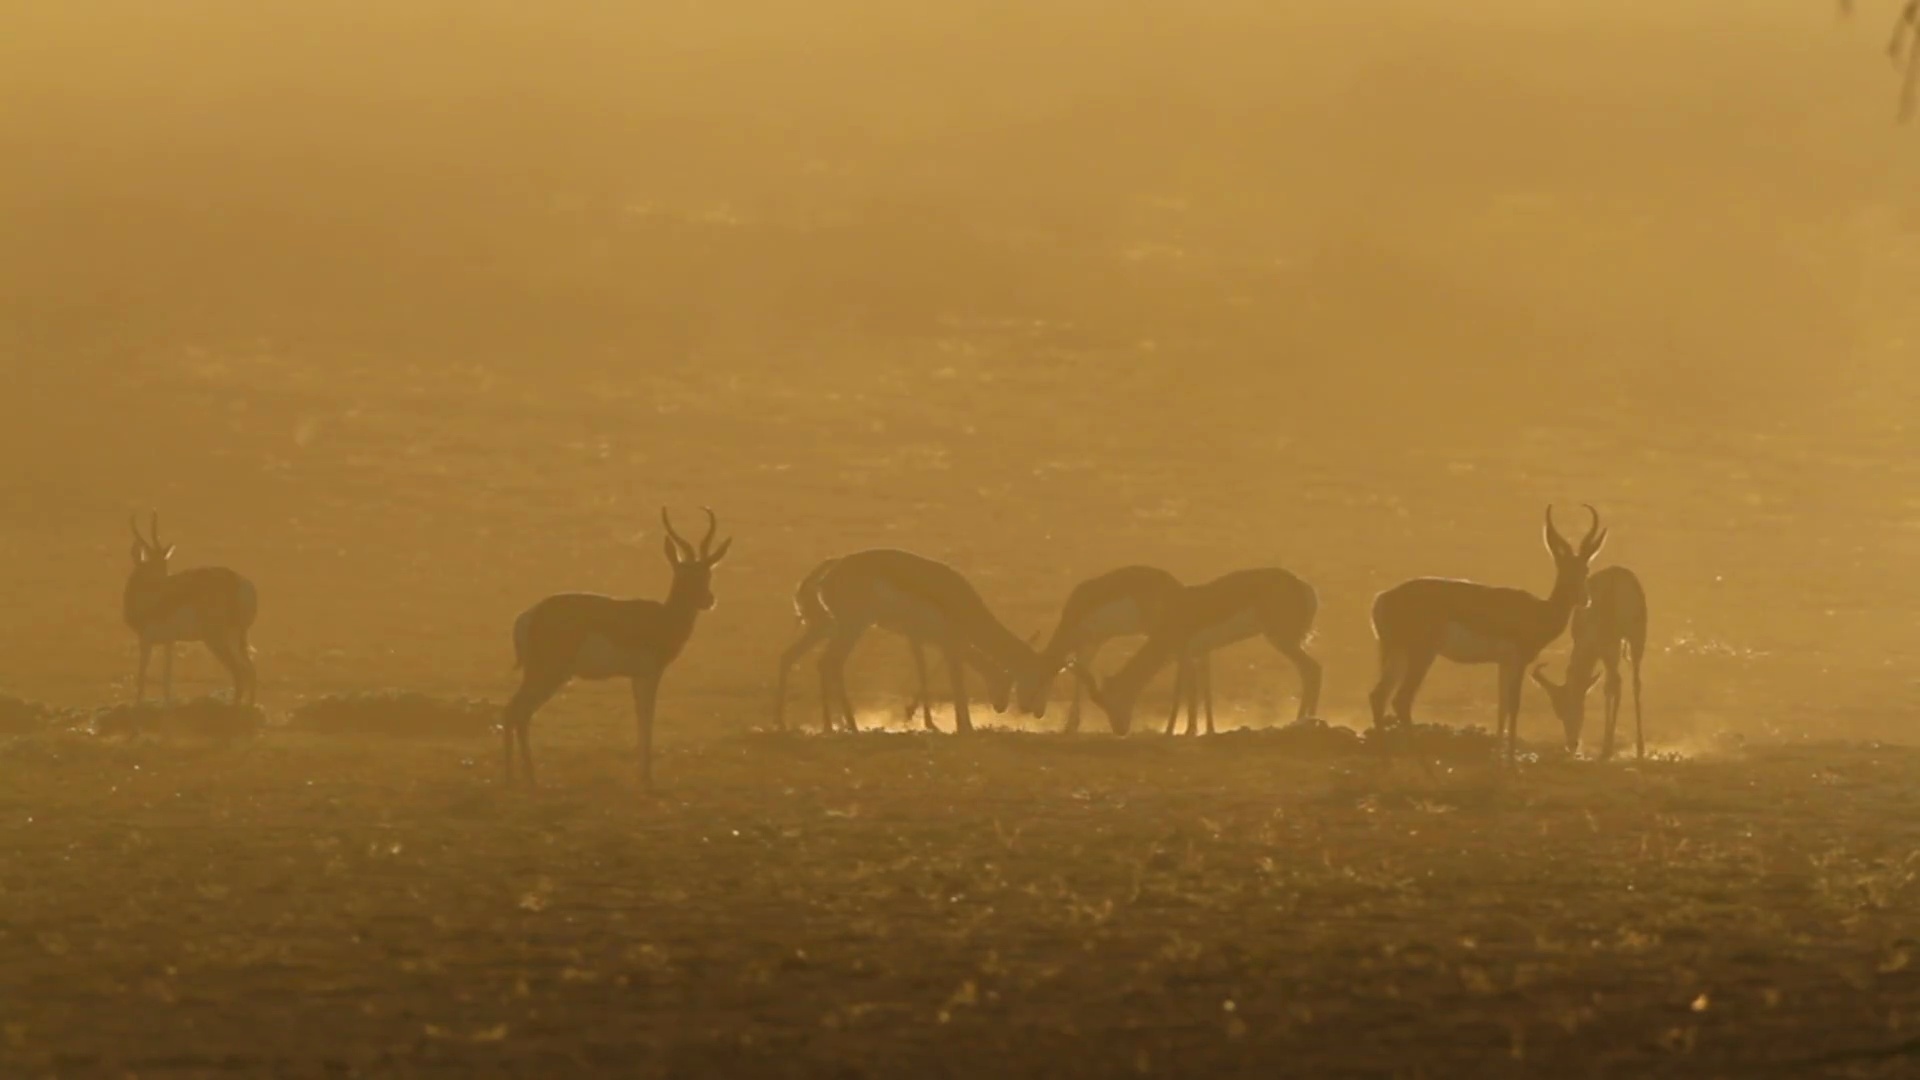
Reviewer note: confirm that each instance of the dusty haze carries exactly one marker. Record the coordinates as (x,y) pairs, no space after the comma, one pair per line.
(417,312)
(420,311)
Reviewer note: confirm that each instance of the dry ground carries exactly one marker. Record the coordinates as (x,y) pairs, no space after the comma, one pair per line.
(899,904)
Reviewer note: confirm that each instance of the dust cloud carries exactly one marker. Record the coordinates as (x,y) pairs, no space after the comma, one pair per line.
(418,311)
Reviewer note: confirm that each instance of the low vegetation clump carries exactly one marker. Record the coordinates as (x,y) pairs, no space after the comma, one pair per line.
(1314,738)
(19,716)
(207,717)
(1438,742)
(397,713)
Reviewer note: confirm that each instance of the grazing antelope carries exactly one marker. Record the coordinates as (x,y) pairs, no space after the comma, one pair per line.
(1268,601)
(587,636)
(816,626)
(1420,620)
(212,605)
(1614,621)
(917,598)
(1118,603)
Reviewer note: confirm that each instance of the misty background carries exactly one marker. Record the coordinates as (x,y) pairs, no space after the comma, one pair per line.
(418,311)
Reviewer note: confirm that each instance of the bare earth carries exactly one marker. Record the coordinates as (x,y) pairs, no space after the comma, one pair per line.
(899,904)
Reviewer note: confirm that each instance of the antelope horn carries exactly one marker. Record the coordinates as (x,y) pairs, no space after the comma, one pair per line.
(1552,532)
(679,542)
(1593,532)
(713,526)
(153,527)
(133,522)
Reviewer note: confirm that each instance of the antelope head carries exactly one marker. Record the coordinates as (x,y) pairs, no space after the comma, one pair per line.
(1119,712)
(1004,687)
(1569,703)
(1029,689)
(693,567)
(149,555)
(1570,563)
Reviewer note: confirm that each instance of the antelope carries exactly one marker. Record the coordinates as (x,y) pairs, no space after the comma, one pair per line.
(588,636)
(1267,601)
(1469,623)
(816,626)
(1118,603)
(212,605)
(917,598)
(1614,621)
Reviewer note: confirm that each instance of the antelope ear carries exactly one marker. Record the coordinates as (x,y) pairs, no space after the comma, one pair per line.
(673,556)
(1599,541)
(167,554)
(719,552)
(139,552)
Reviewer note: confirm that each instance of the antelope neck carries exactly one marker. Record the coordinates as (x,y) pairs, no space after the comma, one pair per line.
(682,607)
(1126,683)
(143,594)
(1559,609)
(1002,644)
(1581,662)
(1053,658)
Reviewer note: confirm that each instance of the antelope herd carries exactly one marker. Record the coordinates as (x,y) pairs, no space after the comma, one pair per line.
(571,636)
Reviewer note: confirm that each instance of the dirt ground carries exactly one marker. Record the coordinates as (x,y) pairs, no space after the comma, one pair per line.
(900,904)
(415,321)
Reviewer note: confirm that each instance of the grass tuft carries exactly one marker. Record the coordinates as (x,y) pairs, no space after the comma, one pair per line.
(19,716)
(397,713)
(209,718)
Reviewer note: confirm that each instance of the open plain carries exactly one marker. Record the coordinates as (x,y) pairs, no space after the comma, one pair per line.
(417,321)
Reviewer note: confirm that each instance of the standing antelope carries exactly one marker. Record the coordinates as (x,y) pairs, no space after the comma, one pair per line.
(1119,603)
(1614,621)
(1469,623)
(1268,601)
(587,636)
(816,626)
(212,605)
(918,598)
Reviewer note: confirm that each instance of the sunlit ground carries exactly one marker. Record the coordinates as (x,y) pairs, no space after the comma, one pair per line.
(798,904)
